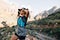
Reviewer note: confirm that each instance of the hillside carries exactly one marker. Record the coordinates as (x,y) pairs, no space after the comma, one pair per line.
(52,18)
(49,25)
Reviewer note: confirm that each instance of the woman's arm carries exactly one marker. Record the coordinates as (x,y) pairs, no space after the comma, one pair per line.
(27,13)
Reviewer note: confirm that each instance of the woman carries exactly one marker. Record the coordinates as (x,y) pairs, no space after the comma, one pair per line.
(21,22)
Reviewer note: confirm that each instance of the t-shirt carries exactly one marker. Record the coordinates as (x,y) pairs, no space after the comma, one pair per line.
(21,21)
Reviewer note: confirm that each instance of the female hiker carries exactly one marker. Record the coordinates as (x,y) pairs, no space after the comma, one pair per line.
(21,22)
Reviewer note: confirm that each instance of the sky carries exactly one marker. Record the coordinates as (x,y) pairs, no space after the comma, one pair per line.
(35,6)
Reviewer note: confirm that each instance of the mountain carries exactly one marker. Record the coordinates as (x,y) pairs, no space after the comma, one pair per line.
(51,19)
(52,10)
(8,13)
(58,10)
(45,13)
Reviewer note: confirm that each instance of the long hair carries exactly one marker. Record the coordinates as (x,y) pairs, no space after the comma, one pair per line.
(19,12)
